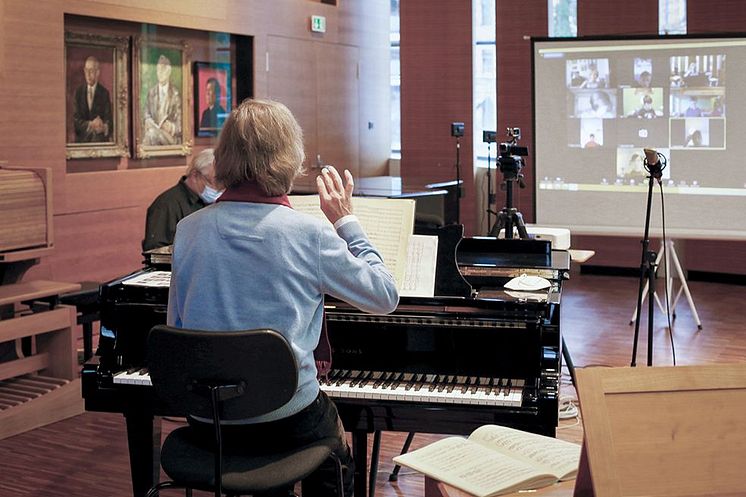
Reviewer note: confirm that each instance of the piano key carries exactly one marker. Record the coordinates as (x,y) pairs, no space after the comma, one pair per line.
(482,391)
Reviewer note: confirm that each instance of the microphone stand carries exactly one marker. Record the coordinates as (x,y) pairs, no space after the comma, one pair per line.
(458,180)
(647,271)
(490,195)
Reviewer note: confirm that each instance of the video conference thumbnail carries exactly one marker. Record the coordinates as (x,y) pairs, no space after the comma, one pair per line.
(643,96)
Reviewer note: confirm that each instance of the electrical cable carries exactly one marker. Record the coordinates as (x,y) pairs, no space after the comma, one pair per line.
(665,271)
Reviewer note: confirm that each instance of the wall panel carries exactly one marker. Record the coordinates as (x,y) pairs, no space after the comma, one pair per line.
(436,90)
(514,98)
(113,202)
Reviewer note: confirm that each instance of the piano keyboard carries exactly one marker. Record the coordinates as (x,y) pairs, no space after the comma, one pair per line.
(406,387)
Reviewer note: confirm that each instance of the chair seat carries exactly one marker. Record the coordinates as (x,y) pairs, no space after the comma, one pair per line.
(193,465)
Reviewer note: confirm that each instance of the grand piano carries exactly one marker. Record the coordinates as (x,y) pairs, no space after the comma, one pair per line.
(474,354)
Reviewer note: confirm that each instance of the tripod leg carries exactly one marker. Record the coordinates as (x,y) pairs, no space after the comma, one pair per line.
(645,292)
(499,224)
(520,225)
(658,301)
(685,287)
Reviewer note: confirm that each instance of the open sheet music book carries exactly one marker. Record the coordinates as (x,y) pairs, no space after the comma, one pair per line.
(496,460)
(389,224)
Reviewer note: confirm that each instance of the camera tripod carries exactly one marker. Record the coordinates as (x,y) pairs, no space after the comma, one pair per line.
(509,215)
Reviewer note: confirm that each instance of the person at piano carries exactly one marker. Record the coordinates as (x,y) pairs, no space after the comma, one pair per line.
(196,189)
(250,261)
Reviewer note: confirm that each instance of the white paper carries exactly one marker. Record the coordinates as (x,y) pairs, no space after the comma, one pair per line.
(419,275)
(150,279)
(387,222)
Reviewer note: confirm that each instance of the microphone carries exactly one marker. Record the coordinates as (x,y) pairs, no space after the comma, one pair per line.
(654,163)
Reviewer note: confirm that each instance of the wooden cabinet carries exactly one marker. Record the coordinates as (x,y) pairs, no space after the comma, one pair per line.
(319,83)
(41,385)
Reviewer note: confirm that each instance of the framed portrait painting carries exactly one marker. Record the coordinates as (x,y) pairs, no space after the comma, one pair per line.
(212,97)
(162,102)
(96,96)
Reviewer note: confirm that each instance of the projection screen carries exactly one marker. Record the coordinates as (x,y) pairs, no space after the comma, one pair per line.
(598,103)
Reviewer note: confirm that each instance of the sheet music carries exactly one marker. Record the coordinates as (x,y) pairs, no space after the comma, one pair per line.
(387,222)
(419,275)
(150,279)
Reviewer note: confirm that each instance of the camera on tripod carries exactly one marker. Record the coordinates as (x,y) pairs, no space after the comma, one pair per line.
(510,161)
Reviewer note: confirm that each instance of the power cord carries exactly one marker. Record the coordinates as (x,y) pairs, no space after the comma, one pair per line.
(568,408)
(665,271)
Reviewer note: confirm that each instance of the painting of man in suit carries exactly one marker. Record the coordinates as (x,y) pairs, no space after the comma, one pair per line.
(212,96)
(92,115)
(162,113)
(96,89)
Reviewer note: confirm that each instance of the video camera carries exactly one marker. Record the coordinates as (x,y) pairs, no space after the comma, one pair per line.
(510,161)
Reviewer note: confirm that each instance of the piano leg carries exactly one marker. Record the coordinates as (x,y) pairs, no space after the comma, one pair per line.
(394,476)
(568,361)
(374,463)
(360,456)
(144,442)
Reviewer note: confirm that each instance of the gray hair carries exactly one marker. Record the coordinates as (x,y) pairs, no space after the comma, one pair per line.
(202,162)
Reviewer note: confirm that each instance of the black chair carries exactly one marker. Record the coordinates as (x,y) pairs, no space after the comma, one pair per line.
(228,376)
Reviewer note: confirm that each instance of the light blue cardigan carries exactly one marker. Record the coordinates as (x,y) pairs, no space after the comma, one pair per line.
(241,266)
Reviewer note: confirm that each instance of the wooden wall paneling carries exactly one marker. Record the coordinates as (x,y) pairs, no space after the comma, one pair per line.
(32,130)
(367,26)
(292,81)
(97,246)
(715,16)
(514,99)
(375,113)
(107,190)
(337,113)
(31,98)
(436,90)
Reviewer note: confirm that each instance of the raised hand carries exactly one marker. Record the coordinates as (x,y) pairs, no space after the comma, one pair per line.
(334,195)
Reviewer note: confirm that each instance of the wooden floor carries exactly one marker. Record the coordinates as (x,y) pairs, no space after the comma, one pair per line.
(87,455)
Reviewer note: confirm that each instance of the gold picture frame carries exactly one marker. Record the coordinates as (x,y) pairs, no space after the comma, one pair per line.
(96,82)
(162,101)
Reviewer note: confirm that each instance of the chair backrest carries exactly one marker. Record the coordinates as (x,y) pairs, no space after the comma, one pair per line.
(259,360)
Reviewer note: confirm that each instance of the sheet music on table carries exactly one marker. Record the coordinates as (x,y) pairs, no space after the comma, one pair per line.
(151,279)
(388,222)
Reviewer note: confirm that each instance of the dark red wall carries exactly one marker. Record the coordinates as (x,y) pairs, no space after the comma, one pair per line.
(436,90)
(436,68)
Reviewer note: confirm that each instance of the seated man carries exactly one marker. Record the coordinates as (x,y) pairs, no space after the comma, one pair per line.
(194,190)
(252,262)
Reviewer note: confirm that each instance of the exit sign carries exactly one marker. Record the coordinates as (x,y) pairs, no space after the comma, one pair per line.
(318,24)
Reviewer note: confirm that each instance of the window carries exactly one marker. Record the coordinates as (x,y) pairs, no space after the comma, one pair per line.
(485,74)
(395,83)
(672,17)
(563,18)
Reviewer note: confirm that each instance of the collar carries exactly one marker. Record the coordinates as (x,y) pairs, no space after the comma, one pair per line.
(192,197)
(250,191)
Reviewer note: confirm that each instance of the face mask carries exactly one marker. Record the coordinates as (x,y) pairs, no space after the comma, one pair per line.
(209,195)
